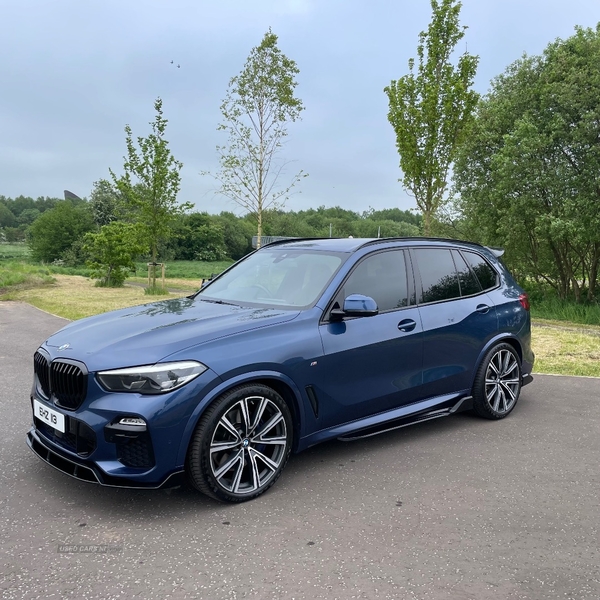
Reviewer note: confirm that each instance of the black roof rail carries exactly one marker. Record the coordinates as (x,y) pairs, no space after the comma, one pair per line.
(497,252)
(292,240)
(421,239)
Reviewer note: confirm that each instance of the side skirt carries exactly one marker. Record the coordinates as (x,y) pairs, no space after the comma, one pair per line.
(465,403)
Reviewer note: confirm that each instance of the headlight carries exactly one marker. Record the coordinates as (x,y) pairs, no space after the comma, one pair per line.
(151,379)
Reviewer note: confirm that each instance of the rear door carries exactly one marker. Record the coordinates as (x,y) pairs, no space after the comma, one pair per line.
(458,319)
(372,364)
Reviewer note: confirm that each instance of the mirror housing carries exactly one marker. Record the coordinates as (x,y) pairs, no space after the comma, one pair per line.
(355,305)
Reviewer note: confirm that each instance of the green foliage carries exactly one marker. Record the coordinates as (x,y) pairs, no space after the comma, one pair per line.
(340,222)
(429,110)
(150,183)
(53,232)
(259,103)
(28,216)
(199,236)
(111,252)
(237,235)
(7,219)
(104,203)
(529,173)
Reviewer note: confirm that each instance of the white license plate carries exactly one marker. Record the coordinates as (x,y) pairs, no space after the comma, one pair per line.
(49,416)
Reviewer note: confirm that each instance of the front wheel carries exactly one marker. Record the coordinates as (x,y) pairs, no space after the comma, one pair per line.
(241,444)
(497,383)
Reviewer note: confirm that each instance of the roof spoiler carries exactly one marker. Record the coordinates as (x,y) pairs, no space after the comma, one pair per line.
(497,252)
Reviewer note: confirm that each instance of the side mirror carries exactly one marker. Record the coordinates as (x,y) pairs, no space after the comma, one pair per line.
(355,305)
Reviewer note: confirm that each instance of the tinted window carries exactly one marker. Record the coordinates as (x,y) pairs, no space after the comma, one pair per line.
(468,282)
(383,278)
(488,278)
(438,274)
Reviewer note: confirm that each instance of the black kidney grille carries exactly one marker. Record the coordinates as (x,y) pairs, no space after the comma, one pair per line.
(68,383)
(42,370)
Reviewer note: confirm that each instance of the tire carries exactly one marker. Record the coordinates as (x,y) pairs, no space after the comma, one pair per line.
(498,383)
(241,444)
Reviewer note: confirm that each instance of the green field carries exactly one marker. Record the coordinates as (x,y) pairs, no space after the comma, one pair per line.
(186,269)
(18,270)
(13,252)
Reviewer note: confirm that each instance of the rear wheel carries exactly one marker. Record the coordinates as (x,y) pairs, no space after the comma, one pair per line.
(497,383)
(241,444)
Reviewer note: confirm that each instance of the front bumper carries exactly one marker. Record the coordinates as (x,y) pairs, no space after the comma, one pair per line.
(147,450)
(88,471)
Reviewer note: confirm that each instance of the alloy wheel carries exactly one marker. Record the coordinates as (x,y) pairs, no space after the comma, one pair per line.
(248,445)
(502,381)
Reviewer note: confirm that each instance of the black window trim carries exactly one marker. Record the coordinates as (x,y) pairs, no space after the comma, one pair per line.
(410,283)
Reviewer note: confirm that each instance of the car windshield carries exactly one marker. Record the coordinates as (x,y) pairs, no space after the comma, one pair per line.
(276,277)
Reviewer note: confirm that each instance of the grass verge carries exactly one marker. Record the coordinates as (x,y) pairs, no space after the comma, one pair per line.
(22,275)
(75,297)
(566,349)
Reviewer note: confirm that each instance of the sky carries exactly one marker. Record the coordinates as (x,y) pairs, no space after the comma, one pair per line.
(73,73)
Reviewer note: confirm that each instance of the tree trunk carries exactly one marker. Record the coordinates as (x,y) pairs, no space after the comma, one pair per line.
(593,272)
(259,230)
(426,223)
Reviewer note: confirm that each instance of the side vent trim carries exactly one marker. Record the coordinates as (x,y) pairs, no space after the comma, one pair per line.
(314,401)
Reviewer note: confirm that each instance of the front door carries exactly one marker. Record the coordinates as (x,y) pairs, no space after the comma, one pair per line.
(371,364)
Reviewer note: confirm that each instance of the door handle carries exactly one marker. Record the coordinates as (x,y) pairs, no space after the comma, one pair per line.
(407,325)
(482,308)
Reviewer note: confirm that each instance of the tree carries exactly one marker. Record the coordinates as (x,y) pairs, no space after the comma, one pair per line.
(28,216)
(112,250)
(104,203)
(529,174)
(199,236)
(7,219)
(54,231)
(237,235)
(150,184)
(259,103)
(430,110)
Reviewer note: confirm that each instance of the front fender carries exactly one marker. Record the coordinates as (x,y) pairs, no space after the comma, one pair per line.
(227,385)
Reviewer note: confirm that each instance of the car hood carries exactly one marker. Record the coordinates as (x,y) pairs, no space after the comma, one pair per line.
(151,332)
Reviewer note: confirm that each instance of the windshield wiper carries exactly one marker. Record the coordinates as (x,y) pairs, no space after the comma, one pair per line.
(216,301)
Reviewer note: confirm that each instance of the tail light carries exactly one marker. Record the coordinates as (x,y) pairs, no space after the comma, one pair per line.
(524,300)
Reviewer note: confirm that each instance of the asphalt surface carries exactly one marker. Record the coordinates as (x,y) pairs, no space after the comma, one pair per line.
(458,508)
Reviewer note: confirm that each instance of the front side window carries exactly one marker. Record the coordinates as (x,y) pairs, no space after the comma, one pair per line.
(381,276)
(276,277)
(438,274)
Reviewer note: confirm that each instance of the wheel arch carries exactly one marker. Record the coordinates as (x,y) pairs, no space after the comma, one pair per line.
(502,339)
(279,382)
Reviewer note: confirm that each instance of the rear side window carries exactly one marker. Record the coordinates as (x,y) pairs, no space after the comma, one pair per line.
(469,284)
(381,276)
(438,274)
(488,278)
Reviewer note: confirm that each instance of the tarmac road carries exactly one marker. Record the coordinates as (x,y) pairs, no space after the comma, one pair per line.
(458,508)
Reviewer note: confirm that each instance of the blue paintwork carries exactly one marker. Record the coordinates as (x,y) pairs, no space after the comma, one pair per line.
(364,370)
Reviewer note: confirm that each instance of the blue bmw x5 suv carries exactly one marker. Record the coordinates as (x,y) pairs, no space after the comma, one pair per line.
(300,342)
